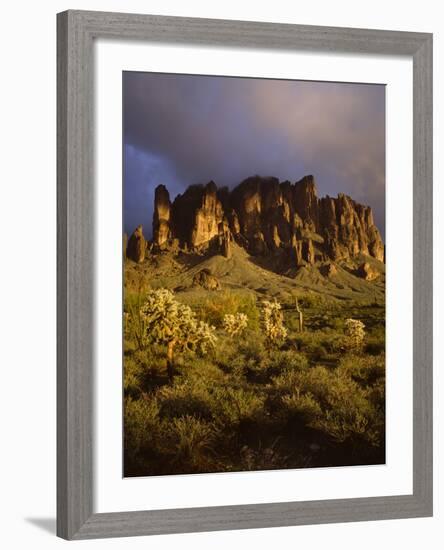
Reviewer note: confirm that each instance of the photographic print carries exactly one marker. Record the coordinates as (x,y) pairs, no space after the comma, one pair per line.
(254,274)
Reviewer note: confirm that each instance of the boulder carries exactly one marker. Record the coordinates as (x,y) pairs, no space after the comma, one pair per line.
(206,280)
(367,272)
(136,248)
(328,270)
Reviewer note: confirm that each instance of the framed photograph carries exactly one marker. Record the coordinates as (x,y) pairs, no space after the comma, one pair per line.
(244,275)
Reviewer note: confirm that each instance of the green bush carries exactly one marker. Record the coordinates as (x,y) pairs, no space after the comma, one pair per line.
(375,342)
(142,426)
(188,440)
(198,370)
(234,405)
(287,360)
(143,371)
(303,407)
(312,300)
(184,400)
(241,356)
(320,346)
(366,370)
(332,402)
(273,363)
(214,309)
(133,377)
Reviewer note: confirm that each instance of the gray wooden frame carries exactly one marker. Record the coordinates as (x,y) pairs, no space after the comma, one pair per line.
(76,32)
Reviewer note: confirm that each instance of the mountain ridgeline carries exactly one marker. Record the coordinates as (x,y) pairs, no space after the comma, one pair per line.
(265,217)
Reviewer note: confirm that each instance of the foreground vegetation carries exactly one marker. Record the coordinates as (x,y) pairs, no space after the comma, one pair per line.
(230,383)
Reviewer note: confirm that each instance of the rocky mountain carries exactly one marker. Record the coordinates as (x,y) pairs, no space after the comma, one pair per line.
(266,218)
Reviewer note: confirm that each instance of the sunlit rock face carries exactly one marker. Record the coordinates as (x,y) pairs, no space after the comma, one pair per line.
(136,247)
(161,216)
(207,217)
(266,216)
(348,229)
(367,272)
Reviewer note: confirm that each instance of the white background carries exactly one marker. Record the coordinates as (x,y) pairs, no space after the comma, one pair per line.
(112,493)
(28,275)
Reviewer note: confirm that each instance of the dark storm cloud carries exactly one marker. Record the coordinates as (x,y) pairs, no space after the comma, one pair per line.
(181,129)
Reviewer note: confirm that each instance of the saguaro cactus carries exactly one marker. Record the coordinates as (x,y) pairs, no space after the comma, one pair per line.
(301,316)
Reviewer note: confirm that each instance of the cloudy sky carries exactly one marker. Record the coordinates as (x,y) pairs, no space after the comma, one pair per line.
(185,129)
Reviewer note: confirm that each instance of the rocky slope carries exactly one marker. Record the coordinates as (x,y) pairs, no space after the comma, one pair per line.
(266,218)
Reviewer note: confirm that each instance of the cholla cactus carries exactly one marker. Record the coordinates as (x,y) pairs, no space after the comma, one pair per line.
(273,322)
(235,324)
(355,334)
(169,322)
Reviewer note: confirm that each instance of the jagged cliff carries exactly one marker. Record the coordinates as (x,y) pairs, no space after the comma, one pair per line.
(266,216)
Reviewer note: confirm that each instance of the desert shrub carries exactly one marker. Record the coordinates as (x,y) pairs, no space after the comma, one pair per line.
(303,407)
(126,323)
(279,361)
(366,370)
(316,381)
(275,362)
(375,341)
(188,441)
(143,371)
(241,365)
(374,346)
(291,322)
(321,345)
(233,405)
(336,323)
(376,396)
(199,370)
(332,341)
(235,324)
(312,300)
(350,414)
(354,335)
(133,377)
(213,310)
(273,321)
(286,382)
(184,400)
(133,327)
(142,426)
(332,402)
(252,347)
(234,356)
(344,424)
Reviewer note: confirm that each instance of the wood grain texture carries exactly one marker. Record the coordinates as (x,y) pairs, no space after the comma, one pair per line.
(423,273)
(248,33)
(75,276)
(75,272)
